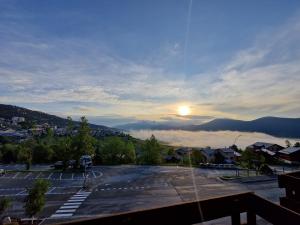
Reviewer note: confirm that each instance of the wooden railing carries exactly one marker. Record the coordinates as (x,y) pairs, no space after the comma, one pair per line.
(291,183)
(201,211)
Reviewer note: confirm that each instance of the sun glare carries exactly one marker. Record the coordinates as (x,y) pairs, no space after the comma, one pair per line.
(183,110)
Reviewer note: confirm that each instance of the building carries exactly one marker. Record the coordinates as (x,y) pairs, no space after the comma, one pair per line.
(290,155)
(265,147)
(183,151)
(209,154)
(228,154)
(15,120)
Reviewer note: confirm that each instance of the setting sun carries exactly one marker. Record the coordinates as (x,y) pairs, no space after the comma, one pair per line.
(184,110)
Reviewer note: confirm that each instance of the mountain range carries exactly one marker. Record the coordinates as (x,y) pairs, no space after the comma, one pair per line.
(275,126)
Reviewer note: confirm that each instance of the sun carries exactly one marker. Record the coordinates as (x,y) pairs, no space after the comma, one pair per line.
(184,110)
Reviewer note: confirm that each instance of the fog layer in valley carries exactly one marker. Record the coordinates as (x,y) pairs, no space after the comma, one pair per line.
(205,138)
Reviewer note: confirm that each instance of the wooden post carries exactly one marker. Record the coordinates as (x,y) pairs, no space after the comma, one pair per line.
(251,218)
(236,219)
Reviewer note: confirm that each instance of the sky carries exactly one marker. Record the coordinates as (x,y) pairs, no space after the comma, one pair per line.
(120,61)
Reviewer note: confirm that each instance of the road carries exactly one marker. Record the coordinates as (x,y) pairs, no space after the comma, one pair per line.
(125,188)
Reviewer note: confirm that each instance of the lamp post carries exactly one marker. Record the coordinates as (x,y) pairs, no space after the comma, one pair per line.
(234,142)
(85,176)
(236,138)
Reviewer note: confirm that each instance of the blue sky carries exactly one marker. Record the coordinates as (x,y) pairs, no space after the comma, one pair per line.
(122,61)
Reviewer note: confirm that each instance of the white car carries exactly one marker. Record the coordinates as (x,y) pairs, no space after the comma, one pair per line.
(86,161)
(2,172)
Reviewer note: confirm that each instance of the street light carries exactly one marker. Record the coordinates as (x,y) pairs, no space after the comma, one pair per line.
(85,176)
(236,138)
(237,172)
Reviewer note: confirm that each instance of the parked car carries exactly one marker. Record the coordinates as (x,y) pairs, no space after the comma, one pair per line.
(58,165)
(86,161)
(72,163)
(2,172)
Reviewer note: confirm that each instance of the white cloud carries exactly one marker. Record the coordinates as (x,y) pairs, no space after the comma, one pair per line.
(264,79)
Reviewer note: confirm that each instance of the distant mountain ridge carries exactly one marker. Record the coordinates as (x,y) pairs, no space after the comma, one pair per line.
(8,111)
(152,125)
(275,126)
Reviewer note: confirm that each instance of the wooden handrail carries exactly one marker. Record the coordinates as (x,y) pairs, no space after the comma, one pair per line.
(201,211)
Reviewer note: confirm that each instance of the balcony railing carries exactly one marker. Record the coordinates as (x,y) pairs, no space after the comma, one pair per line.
(201,211)
(291,183)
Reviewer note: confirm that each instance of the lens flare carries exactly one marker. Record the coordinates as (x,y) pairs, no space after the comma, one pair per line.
(184,110)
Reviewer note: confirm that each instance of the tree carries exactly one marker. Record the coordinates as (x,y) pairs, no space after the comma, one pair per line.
(4,140)
(251,160)
(83,141)
(9,153)
(186,160)
(5,203)
(25,155)
(63,151)
(117,151)
(42,153)
(297,144)
(151,151)
(288,143)
(196,157)
(70,125)
(35,201)
(234,147)
(49,138)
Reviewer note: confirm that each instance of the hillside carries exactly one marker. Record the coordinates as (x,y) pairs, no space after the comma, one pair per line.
(149,125)
(8,111)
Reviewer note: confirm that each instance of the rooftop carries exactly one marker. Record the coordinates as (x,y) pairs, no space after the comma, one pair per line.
(290,150)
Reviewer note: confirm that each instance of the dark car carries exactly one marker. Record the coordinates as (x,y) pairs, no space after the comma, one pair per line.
(58,165)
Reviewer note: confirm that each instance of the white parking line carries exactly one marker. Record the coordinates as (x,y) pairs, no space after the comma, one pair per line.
(52,189)
(72,203)
(81,195)
(14,177)
(72,176)
(27,175)
(82,175)
(70,207)
(76,200)
(60,176)
(65,211)
(22,192)
(38,175)
(78,197)
(62,215)
(94,174)
(50,176)
(11,189)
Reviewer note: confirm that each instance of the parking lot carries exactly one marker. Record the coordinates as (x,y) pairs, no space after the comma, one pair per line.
(115,189)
